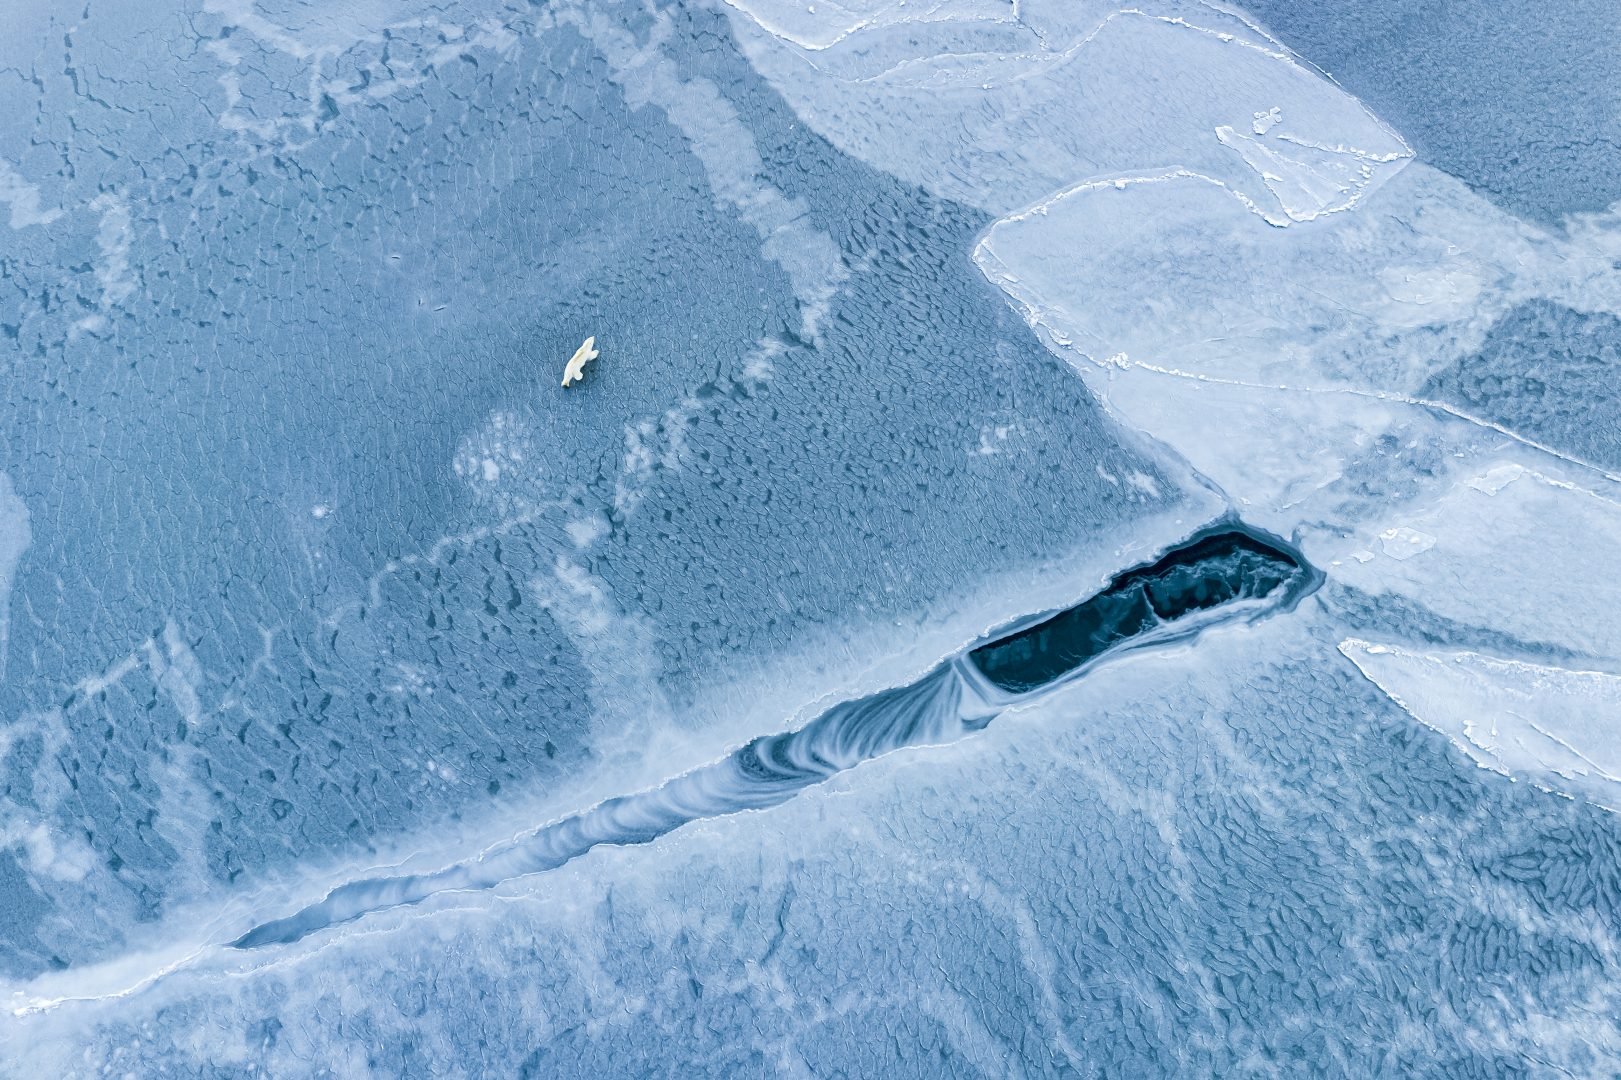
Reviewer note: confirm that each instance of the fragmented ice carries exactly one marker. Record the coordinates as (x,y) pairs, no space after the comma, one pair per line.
(1106,567)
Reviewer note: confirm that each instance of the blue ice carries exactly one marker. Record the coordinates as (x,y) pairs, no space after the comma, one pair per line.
(1086,551)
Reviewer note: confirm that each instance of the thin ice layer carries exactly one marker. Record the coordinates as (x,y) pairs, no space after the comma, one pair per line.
(1558,728)
(1003,109)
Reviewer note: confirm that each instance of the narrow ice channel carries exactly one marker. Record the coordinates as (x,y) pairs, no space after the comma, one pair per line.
(1223,574)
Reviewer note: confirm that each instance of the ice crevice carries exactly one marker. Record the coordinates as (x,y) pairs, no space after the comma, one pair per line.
(1225,573)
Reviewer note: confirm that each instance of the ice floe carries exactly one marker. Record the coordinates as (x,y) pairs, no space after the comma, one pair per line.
(1557,728)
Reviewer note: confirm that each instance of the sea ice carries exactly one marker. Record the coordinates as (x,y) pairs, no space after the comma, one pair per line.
(1558,728)
(648,735)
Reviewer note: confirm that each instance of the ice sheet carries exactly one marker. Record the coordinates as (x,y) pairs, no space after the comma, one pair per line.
(1494,541)
(332,619)
(327,571)
(1004,108)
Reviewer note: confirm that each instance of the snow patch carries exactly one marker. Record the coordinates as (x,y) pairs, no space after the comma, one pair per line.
(15,535)
(113,235)
(23,199)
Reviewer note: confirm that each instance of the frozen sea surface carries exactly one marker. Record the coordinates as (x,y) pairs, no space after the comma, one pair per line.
(374,706)
(1520,99)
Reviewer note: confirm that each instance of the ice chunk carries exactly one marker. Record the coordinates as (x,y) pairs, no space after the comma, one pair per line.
(822,24)
(1173,271)
(1404,542)
(1506,546)
(1559,729)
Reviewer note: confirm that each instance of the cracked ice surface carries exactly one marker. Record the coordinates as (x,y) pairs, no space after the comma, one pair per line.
(916,320)
(1552,725)
(1023,102)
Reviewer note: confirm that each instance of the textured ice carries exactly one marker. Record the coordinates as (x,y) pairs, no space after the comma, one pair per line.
(1212,578)
(1001,109)
(445,601)
(1478,89)
(1544,370)
(1241,441)
(1551,725)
